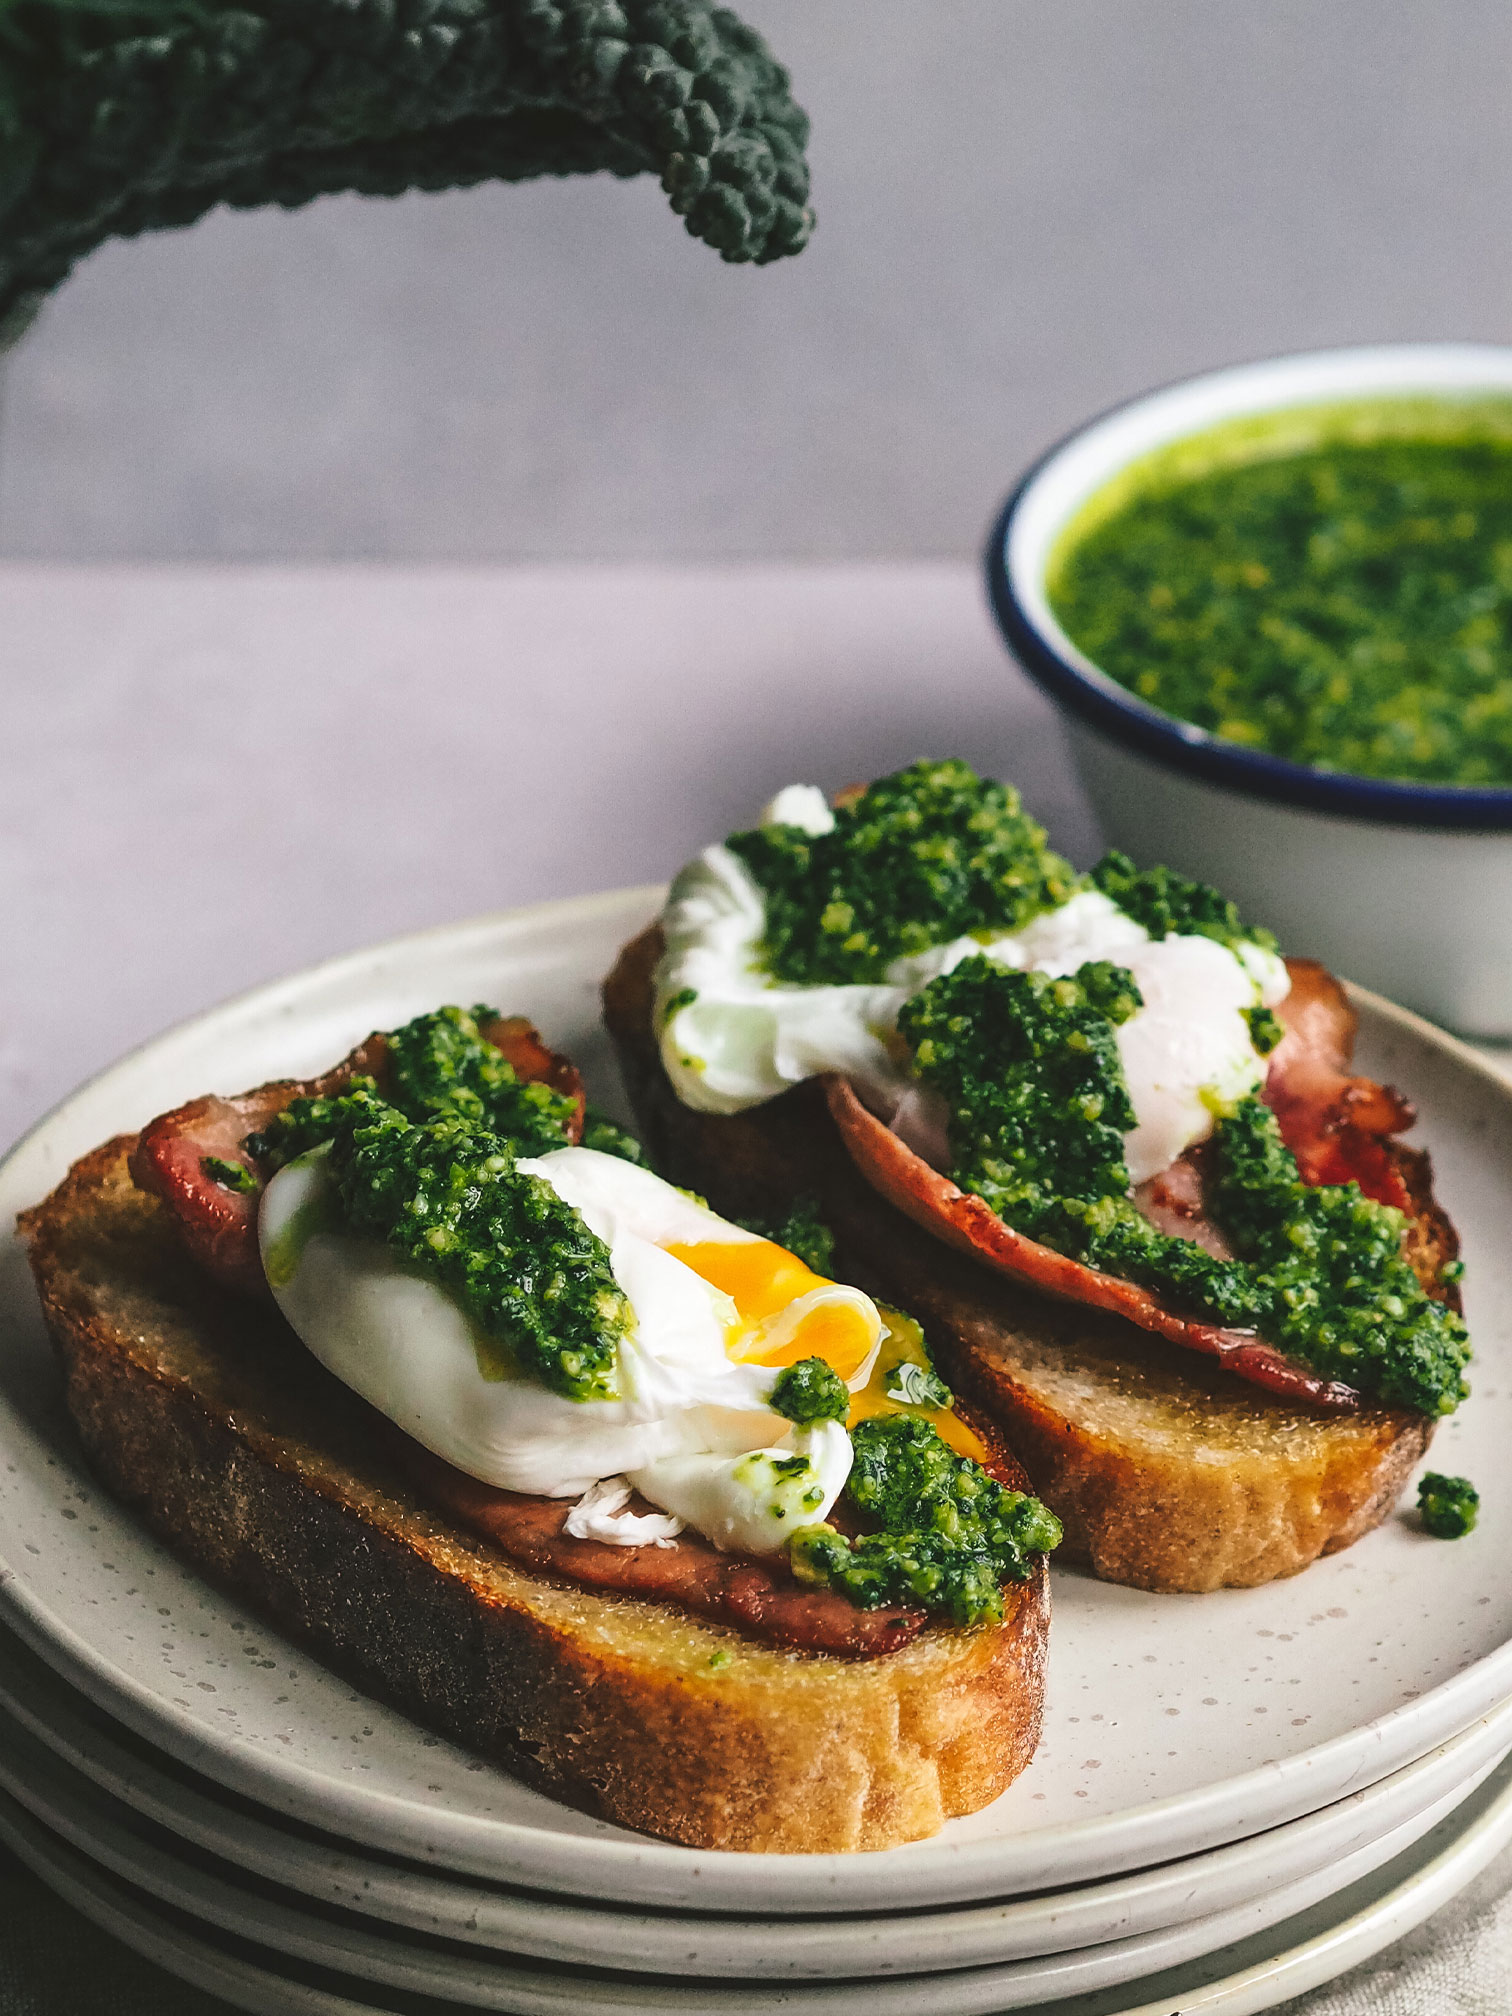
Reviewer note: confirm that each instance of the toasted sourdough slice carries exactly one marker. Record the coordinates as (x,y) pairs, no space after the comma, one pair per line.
(1167,1472)
(202,1412)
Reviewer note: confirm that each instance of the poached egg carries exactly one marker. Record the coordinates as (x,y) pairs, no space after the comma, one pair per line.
(718,1313)
(733,1037)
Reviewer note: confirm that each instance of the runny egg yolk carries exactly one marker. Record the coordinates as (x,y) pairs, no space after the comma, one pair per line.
(762,1280)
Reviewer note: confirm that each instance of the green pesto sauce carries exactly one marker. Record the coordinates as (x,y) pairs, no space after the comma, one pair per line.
(1448,1506)
(439,1065)
(801,1231)
(810,1391)
(1030,1072)
(921,857)
(522,1265)
(1169,905)
(946,1534)
(429,1167)
(1344,602)
(319,1212)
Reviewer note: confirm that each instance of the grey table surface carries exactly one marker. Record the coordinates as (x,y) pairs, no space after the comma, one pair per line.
(213,775)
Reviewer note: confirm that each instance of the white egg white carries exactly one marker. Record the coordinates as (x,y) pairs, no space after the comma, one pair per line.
(687,1416)
(733,1037)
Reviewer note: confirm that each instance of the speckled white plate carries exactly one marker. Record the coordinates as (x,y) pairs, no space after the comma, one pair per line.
(1173,1724)
(221,1896)
(1253,1973)
(97,1786)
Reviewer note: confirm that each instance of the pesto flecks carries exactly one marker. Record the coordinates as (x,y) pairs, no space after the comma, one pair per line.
(450,1200)
(1168,905)
(948,1535)
(802,1232)
(1029,1069)
(810,1391)
(1030,1073)
(1448,1506)
(1348,607)
(438,1064)
(921,857)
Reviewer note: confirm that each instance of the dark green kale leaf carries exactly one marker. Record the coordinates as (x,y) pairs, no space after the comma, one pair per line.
(1448,1506)
(810,1391)
(448,1198)
(123,116)
(802,1231)
(948,1535)
(929,854)
(1168,905)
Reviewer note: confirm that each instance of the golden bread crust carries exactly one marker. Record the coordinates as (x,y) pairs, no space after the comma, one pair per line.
(1166,1472)
(206,1416)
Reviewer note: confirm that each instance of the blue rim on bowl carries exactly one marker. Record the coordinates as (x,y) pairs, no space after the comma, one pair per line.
(1090,457)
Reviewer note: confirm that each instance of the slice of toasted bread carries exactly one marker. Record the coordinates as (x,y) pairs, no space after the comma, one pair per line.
(1166,1472)
(202,1411)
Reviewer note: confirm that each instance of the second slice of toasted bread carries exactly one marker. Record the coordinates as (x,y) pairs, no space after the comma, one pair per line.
(1166,1472)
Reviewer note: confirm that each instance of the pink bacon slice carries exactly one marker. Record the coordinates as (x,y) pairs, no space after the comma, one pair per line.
(963,1221)
(218,1225)
(1339,1126)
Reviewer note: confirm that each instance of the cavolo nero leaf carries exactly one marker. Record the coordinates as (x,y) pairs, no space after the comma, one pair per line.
(119,118)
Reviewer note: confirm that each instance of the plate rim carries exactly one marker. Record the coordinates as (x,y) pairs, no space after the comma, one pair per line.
(378,1889)
(1315,1960)
(486,1845)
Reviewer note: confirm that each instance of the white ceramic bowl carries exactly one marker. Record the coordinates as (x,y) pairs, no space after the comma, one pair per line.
(1404,887)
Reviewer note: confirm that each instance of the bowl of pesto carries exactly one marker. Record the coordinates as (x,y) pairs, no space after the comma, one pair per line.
(1274,607)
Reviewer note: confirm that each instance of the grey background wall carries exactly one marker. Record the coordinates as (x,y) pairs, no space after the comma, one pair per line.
(1027,212)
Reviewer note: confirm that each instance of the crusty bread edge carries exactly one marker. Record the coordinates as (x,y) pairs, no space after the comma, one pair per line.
(656,1721)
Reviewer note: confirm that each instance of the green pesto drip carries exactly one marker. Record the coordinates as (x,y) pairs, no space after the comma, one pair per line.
(1347,604)
(1168,905)
(791,1486)
(911,1385)
(517,1259)
(318,1213)
(438,1065)
(442,1064)
(810,1391)
(448,1199)
(609,1138)
(926,855)
(229,1175)
(1448,1506)
(1029,1067)
(1266,1029)
(1030,1073)
(802,1231)
(947,1535)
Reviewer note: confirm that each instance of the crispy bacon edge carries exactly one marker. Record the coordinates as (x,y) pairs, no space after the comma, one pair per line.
(1340,1128)
(219,1226)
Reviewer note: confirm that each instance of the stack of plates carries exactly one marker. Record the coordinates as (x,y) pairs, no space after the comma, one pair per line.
(1237,1795)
